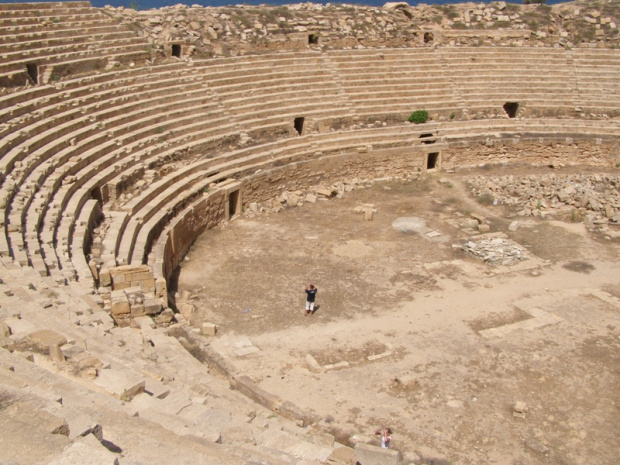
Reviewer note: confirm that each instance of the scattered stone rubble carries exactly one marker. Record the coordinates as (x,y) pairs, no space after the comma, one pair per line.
(312,194)
(242,29)
(494,251)
(596,198)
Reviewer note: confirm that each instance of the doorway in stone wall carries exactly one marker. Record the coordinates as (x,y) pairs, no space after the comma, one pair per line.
(176,50)
(234,204)
(33,72)
(432,161)
(299,124)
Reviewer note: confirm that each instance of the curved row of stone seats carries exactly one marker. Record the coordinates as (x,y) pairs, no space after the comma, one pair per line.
(393,81)
(540,80)
(597,72)
(75,119)
(37,55)
(199,70)
(162,117)
(267,92)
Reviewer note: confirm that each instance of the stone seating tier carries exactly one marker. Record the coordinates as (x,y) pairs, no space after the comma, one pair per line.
(252,121)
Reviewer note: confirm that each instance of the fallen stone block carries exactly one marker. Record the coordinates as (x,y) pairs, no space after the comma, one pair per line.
(152,306)
(209,329)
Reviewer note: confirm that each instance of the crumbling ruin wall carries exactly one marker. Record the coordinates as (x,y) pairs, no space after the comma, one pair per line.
(549,152)
(405,162)
(181,234)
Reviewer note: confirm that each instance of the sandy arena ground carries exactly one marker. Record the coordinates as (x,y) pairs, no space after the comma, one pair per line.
(403,334)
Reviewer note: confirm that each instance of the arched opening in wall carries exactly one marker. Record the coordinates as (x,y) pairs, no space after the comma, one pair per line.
(299,124)
(428,138)
(176,50)
(313,39)
(428,37)
(234,204)
(33,72)
(432,160)
(511,109)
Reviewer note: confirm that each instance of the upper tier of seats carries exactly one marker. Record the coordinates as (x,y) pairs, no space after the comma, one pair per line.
(44,42)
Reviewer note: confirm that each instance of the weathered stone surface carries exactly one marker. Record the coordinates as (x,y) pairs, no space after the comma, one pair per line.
(366,453)
(44,339)
(494,251)
(86,450)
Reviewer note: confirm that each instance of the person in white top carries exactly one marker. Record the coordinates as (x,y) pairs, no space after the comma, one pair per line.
(386,437)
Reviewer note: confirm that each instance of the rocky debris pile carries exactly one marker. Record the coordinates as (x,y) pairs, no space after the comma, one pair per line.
(576,196)
(494,251)
(245,29)
(312,194)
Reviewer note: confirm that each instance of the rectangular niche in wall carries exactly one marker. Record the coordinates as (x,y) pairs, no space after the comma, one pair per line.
(234,203)
(432,161)
(176,50)
(299,124)
(33,72)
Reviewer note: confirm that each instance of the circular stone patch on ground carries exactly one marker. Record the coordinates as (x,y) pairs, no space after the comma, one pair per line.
(410,223)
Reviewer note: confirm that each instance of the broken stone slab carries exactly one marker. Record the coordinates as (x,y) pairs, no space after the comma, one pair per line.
(123,385)
(82,425)
(513,226)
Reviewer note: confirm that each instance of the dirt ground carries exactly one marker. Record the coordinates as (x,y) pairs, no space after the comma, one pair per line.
(413,334)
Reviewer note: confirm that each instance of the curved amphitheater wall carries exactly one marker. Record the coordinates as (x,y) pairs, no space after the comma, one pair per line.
(400,162)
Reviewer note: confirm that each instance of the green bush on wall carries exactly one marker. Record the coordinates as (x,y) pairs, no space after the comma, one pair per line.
(418,116)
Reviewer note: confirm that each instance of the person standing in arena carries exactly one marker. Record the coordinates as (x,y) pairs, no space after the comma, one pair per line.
(311,295)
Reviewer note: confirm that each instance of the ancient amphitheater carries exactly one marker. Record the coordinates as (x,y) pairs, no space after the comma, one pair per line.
(172,179)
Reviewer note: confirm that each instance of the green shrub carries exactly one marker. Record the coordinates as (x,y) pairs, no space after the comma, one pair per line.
(418,117)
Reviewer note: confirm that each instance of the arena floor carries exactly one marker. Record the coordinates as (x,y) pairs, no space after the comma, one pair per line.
(413,334)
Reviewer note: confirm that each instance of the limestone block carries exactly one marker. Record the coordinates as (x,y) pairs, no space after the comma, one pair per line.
(342,454)
(368,215)
(45,339)
(137,310)
(609,211)
(366,453)
(82,425)
(120,306)
(28,414)
(152,306)
(165,317)
(483,228)
(122,385)
(209,329)
(86,450)
(479,218)
(323,192)
(238,435)
(311,198)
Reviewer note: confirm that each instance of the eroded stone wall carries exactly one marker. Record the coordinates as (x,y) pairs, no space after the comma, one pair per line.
(557,153)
